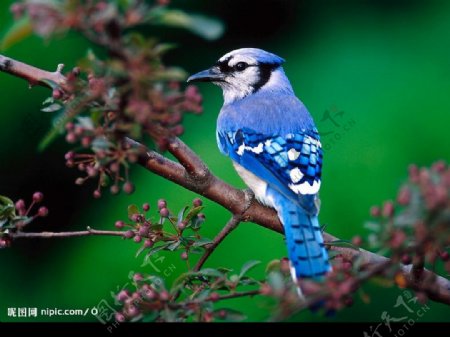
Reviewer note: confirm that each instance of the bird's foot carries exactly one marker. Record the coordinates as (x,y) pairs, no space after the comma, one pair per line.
(249,197)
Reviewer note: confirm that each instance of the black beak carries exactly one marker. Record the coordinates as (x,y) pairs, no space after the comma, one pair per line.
(210,75)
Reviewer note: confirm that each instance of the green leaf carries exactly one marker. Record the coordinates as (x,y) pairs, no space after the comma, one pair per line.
(205,27)
(52,107)
(156,226)
(85,122)
(48,100)
(101,144)
(57,129)
(247,281)
(162,48)
(234,278)
(153,251)
(202,242)
(5,201)
(276,281)
(25,220)
(181,214)
(196,223)
(273,265)
(194,212)
(211,272)
(19,31)
(247,266)
(180,279)
(342,243)
(7,208)
(3,222)
(96,116)
(140,250)
(7,212)
(132,209)
(203,295)
(173,245)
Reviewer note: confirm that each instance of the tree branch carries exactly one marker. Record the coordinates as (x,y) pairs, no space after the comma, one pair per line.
(232,224)
(194,166)
(49,235)
(191,173)
(212,188)
(33,75)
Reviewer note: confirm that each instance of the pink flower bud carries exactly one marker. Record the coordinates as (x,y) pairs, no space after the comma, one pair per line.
(119,224)
(128,187)
(164,212)
(43,211)
(197,202)
(20,204)
(388,209)
(162,203)
(404,196)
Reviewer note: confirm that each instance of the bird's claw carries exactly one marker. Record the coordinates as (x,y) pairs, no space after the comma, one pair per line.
(249,197)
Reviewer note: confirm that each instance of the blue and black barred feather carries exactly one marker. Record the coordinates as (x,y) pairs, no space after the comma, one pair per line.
(273,158)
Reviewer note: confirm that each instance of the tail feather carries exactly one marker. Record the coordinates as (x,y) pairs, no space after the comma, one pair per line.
(306,248)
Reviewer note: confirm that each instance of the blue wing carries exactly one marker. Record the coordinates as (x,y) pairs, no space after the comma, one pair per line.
(291,163)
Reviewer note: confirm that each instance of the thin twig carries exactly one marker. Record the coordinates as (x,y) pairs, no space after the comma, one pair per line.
(240,294)
(232,224)
(33,75)
(48,235)
(175,305)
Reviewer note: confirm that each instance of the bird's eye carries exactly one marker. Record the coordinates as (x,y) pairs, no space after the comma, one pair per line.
(241,66)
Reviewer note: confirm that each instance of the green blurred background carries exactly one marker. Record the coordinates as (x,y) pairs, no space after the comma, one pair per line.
(380,69)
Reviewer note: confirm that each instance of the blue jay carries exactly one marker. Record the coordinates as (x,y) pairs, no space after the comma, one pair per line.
(275,148)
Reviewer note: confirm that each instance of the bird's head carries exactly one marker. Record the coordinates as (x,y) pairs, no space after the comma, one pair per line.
(245,71)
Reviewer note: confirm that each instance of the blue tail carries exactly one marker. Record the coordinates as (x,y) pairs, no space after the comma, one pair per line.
(304,240)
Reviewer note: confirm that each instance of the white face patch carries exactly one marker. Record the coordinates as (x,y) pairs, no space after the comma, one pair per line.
(305,188)
(239,84)
(293,154)
(296,175)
